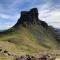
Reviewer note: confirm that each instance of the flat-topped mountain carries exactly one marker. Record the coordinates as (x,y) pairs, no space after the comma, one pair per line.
(29,18)
(29,35)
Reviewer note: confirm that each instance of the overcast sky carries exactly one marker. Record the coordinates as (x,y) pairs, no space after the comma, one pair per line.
(49,11)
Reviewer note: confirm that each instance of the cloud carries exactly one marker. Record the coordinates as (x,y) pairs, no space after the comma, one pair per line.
(4,16)
(4,27)
(7,21)
(51,16)
(49,11)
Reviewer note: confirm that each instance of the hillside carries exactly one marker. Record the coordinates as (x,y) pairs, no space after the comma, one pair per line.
(29,35)
(57,31)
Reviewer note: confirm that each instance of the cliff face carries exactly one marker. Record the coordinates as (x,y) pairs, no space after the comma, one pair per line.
(29,18)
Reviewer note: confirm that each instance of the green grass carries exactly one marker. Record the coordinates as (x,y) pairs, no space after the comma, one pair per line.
(28,40)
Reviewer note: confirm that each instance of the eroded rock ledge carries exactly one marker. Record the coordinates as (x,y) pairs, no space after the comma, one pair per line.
(29,18)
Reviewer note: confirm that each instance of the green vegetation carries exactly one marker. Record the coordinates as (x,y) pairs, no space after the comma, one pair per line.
(33,39)
(28,40)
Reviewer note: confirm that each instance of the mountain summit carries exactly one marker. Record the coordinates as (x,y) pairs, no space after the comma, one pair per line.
(29,18)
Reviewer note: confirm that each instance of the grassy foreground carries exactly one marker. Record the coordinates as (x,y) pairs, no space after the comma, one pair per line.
(27,40)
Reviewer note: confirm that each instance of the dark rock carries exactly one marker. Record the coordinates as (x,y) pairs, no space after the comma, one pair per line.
(21,58)
(28,57)
(44,24)
(34,13)
(29,18)
(5,51)
(42,57)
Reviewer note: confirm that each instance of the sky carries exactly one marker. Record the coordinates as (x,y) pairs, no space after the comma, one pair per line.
(49,11)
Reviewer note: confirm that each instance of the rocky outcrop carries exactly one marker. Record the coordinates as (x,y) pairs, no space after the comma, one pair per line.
(29,18)
(42,57)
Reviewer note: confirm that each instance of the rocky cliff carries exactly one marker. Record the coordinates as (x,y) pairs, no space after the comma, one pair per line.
(29,18)
(29,35)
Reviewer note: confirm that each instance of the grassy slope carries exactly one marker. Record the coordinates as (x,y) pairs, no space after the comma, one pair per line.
(28,40)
